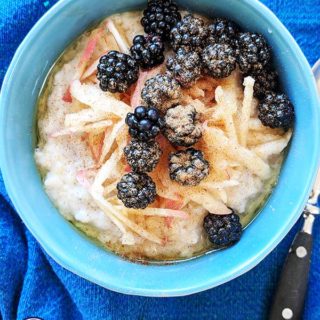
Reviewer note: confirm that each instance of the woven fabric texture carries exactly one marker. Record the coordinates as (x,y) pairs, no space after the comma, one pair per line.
(33,285)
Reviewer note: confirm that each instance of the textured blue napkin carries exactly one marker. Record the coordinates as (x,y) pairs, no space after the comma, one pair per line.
(32,284)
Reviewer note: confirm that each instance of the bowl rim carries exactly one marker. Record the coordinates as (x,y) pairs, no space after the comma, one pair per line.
(62,258)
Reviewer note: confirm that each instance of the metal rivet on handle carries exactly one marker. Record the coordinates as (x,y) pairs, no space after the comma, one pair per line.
(287,313)
(301,252)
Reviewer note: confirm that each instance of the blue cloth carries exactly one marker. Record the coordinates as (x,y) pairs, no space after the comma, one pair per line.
(32,284)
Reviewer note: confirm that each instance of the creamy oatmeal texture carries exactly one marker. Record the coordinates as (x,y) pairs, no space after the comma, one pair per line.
(82,135)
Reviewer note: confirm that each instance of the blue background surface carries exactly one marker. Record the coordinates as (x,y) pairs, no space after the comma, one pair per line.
(32,284)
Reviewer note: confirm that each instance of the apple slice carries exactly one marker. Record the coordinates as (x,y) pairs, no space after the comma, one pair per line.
(172,204)
(92,68)
(67,97)
(120,39)
(88,52)
(160,212)
(95,143)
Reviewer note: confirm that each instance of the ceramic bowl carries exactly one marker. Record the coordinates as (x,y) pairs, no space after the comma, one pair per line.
(21,87)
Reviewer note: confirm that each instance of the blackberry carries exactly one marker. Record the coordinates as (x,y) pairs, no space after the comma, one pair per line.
(136,190)
(143,156)
(188,167)
(159,17)
(185,67)
(222,30)
(117,71)
(223,230)
(147,51)
(266,80)
(182,126)
(145,123)
(190,33)
(219,60)
(253,52)
(161,91)
(276,111)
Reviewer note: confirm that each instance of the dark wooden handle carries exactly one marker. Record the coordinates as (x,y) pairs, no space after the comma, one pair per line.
(290,295)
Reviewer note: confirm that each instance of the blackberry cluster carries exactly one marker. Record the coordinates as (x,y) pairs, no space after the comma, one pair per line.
(136,190)
(161,91)
(142,156)
(199,49)
(145,123)
(219,60)
(253,52)
(190,33)
(185,67)
(182,126)
(254,58)
(117,71)
(222,30)
(276,111)
(188,167)
(159,17)
(147,51)
(223,230)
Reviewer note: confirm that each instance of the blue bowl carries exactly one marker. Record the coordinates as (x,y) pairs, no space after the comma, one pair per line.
(27,72)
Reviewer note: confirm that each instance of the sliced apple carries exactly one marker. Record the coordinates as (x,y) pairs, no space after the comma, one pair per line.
(88,52)
(95,143)
(67,97)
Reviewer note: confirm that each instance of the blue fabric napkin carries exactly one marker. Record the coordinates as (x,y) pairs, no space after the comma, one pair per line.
(33,285)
